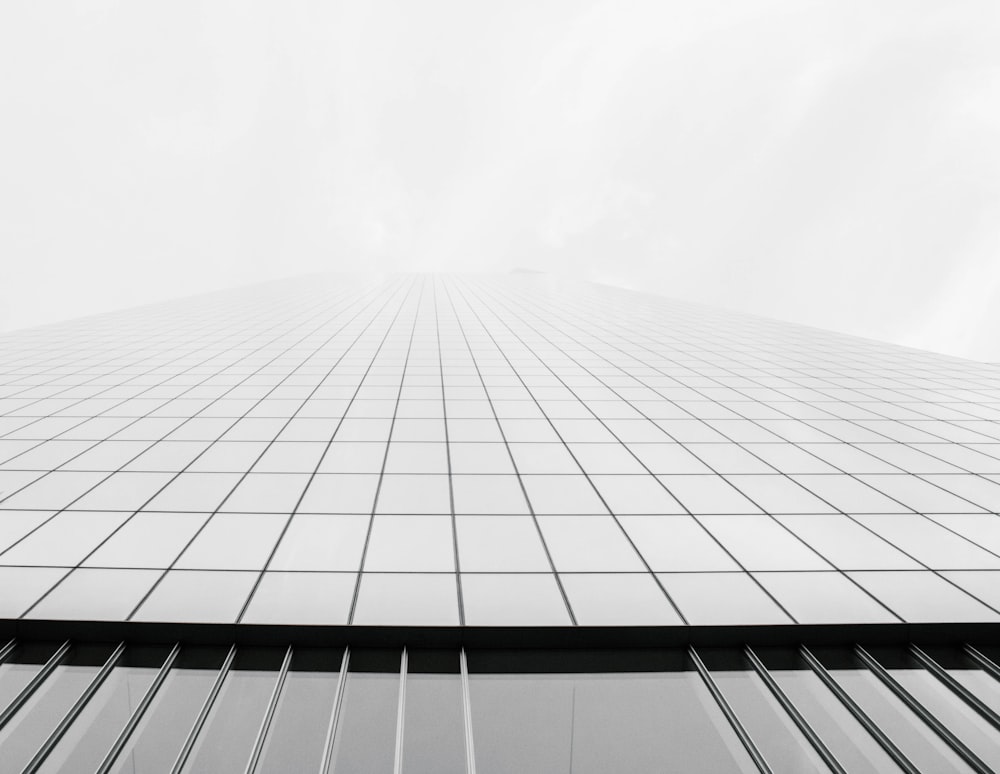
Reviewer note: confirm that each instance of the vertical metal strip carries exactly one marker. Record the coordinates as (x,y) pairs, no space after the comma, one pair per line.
(470,750)
(922,712)
(985,663)
(138,712)
(397,763)
(859,714)
(338,699)
(932,666)
(74,711)
(15,704)
(206,707)
(803,725)
(272,705)
(734,721)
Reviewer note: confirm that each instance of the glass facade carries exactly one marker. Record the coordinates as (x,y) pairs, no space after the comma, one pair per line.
(492,525)
(141,709)
(474,451)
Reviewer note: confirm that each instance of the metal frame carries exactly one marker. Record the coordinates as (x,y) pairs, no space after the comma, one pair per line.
(932,666)
(756,665)
(327,760)
(470,751)
(15,704)
(918,709)
(206,707)
(986,664)
(803,725)
(859,714)
(138,712)
(272,705)
(67,720)
(734,721)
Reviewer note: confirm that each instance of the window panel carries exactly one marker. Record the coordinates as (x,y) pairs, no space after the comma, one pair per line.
(233,541)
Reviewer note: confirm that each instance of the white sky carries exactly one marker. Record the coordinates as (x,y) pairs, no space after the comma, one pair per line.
(833,163)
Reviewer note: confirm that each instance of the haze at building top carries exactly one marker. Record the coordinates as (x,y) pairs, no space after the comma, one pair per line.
(831,163)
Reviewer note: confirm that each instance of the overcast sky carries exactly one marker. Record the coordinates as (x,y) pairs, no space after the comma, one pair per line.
(833,163)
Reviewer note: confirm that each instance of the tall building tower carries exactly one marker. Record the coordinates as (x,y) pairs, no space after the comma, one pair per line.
(470,525)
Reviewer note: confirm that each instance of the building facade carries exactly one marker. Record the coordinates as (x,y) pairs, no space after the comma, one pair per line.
(492,524)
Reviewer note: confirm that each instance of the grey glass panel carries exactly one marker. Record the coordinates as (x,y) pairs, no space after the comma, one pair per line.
(982,685)
(366,734)
(22,665)
(433,722)
(38,717)
(599,723)
(224,744)
(298,731)
(156,741)
(780,742)
(959,717)
(95,729)
(906,730)
(850,744)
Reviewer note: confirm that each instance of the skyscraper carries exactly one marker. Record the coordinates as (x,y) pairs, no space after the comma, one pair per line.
(470,524)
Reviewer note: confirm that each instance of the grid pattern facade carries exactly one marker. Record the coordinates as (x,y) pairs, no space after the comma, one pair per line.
(424,450)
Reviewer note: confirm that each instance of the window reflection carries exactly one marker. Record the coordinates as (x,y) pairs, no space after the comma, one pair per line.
(591,723)
(915,739)
(366,733)
(224,743)
(433,722)
(91,735)
(298,730)
(35,720)
(155,743)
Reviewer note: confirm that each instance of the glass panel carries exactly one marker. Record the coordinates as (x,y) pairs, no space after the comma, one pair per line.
(156,741)
(226,740)
(775,734)
(298,731)
(38,717)
(91,735)
(366,733)
(596,723)
(916,741)
(433,723)
(955,714)
(22,665)
(850,744)
(967,672)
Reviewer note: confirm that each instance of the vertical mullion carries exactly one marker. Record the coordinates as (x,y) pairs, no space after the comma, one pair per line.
(338,699)
(922,712)
(470,751)
(397,764)
(138,712)
(272,705)
(728,711)
(74,711)
(206,707)
(859,714)
(956,687)
(803,725)
(985,663)
(15,704)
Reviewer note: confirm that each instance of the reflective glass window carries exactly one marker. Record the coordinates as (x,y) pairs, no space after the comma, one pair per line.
(298,731)
(524,723)
(157,740)
(366,734)
(224,743)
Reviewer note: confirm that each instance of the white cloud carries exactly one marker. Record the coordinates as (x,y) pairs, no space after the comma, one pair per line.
(824,161)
